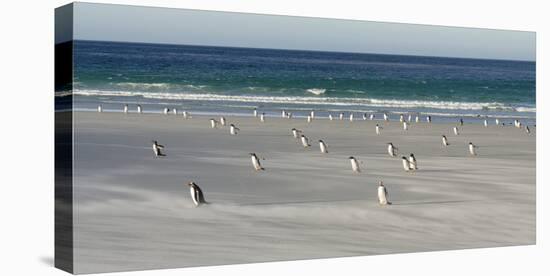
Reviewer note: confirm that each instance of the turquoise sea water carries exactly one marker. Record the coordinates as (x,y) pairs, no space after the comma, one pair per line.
(236,80)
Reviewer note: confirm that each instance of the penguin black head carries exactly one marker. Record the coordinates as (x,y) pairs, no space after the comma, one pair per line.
(191,184)
(351,157)
(404,158)
(412,155)
(380,183)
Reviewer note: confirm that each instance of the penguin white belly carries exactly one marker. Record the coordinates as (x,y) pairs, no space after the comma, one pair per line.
(193,196)
(390,151)
(256,163)
(406,165)
(354,165)
(382,196)
(472,150)
(304,142)
(323,147)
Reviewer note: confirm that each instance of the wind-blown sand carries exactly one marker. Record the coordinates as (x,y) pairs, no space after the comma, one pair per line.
(133,211)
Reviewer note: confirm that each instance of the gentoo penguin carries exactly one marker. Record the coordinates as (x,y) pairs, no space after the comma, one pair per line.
(382,194)
(417,119)
(406,164)
(364,116)
(255,112)
(342,116)
(262,117)
(256,162)
(409,119)
(175,111)
(185,115)
(401,118)
(527,129)
(444,139)
(304,140)
(351,117)
(386,118)
(354,164)
(485,123)
(289,115)
(461,122)
(309,118)
(497,121)
(472,149)
(330,117)
(405,126)
(99,108)
(125,109)
(157,149)
(323,146)
(166,110)
(213,123)
(283,114)
(412,162)
(312,114)
(296,133)
(139,109)
(378,128)
(392,150)
(371,117)
(233,129)
(429,119)
(455,130)
(222,121)
(196,194)
(516,122)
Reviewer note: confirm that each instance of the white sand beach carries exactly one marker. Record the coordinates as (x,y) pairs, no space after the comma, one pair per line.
(133,211)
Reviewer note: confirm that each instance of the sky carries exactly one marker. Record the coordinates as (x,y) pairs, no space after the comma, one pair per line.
(193,27)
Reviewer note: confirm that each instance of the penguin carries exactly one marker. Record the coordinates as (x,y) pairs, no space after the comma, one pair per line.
(125,109)
(461,122)
(417,119)
(382,194)
(444,140)
(305,141)
(455,130)
(309,118)
(371,117)
(405,126)
(364,116)
(99,108)
(255,112)
(213,123)
(175,111)
(412,162)
(196,194)
(330,117)
(429,119)
(323,146)
(139,109)
(222,121)
(472,149)
(527,129)
(256,162)
(341,116)
(378,128)
(233,129)
(262,117)
(283,114)
(409,119)
(312,114)
(185,115)
(406,164)
(166,110)
(485,123)
(497,121)
(392,150)
(351,117)
(386,118)
(296,133)
(516,123)
(401,118)
(354,164)
(157,149)
(289,115)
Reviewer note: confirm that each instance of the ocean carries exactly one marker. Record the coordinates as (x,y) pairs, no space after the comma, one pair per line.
(224,80)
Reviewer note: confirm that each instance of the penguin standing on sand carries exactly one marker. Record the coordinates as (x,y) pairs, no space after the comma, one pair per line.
(378,128)
(305,141)
(256,162)
(330,117)
(351,117)
(392,150)
(296,133)
(455,130)
(99,108)
(461,122)
(262,117)
(283,114)
(527,129)
(323,146)
(412,162)
(417,119)
(371,117)
(405,126)
(428,119)
(222,121)
(312,114)
(409,119)
(364,116)
(213,123)
(255,112)
(485,123)
(185,115)
(166,110)
(444,140)
(196,194)
(157,149)
(175,111)
(382,194)
(406,164)
(309,118)
(497,121)
(139,109)
(354,164)
(401,118)
(472,149)
(233,129)
(386,118)
(341,116)
(125,109)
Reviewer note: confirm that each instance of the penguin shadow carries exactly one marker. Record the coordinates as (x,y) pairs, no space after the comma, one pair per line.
(434,202)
